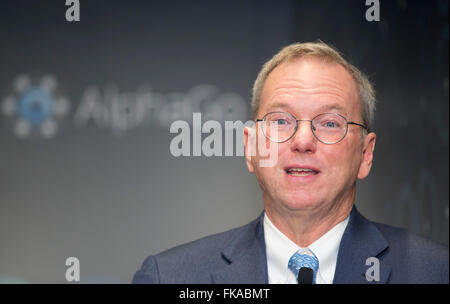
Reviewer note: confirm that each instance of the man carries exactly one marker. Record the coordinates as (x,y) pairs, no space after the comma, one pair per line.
(318,110)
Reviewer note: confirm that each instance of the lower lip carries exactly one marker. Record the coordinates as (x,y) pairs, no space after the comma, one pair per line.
(305,178)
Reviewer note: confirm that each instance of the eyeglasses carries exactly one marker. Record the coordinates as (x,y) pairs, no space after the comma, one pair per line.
(328,128)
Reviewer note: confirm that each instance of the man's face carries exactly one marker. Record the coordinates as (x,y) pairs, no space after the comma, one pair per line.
(305,88)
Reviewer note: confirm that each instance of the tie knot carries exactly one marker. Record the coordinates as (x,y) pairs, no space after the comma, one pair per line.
(299,260)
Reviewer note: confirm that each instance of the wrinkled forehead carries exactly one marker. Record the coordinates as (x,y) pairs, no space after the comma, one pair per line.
(310,78)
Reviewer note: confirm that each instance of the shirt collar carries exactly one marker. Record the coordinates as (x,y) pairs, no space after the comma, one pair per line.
(279,249)
(326,250)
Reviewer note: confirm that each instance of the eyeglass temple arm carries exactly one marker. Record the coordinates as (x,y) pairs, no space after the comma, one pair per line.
(355,123)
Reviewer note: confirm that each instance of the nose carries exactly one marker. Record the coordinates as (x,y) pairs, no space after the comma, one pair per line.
(304,140)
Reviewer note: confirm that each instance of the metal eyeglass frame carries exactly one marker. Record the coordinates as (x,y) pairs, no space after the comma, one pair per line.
(312,128)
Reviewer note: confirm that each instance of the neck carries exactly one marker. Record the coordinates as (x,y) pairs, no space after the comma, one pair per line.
(304,226)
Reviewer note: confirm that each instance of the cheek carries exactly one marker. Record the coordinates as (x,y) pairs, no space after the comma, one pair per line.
(284,154)
(268,180)
(343,163)
(271,178)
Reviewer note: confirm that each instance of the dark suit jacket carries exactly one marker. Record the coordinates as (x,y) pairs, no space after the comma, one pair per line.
(239,256)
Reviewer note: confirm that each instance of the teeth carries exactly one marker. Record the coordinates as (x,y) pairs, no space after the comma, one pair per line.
(301,172)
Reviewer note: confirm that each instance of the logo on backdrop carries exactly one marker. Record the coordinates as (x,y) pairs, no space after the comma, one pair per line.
(35,106)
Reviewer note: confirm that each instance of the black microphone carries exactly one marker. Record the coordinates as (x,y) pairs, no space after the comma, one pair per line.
(305,275)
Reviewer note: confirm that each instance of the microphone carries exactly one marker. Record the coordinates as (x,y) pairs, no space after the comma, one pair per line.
(305,275)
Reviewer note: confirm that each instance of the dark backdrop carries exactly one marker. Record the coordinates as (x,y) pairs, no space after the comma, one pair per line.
(99,183)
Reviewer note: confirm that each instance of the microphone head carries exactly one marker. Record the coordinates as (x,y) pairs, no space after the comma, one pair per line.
(305,275)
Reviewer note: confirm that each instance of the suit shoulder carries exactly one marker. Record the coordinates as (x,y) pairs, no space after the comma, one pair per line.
(192,261)
(205,246)
(413,243)
(424,260)
(148,273)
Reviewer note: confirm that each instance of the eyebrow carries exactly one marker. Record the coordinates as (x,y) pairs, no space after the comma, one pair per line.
(334,106)
(328,107)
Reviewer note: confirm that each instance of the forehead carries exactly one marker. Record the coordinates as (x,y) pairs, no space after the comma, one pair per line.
(310,84)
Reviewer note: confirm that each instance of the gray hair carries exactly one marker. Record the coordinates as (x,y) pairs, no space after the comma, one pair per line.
(329,54)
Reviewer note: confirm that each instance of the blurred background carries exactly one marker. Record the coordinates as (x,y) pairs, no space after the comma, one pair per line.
(85,166)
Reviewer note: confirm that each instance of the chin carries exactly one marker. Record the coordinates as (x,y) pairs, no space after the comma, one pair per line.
(301,202)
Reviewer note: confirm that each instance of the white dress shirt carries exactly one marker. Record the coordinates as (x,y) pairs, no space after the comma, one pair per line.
(279,249)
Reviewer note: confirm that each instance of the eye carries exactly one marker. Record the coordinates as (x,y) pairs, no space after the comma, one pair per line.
(281,121)
(330,124)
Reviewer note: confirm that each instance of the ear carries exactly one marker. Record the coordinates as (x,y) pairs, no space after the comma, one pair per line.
(366,161)
(249,137)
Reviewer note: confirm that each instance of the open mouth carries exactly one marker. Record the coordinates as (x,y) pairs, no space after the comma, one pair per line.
(301,171)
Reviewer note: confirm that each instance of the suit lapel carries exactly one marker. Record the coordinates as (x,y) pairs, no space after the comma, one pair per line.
(246,261)
(361,240)
(245,258)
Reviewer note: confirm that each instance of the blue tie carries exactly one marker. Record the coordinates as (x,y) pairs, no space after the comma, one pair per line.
(298,261)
